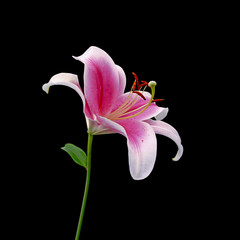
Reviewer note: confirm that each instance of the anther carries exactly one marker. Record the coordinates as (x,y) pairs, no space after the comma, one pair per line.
(134,86)
(136,78)
(140,94)
(136,82)
(144,83)
(157,100)
(124,111)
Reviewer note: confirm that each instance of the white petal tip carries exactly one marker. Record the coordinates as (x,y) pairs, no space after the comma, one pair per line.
(79,58)
(45,87)
(137,178)
(162,114)
(179,154)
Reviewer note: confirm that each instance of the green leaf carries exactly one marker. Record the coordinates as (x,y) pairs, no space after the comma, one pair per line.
(77,154)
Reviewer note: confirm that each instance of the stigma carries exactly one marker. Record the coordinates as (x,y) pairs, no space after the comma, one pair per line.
(127,110)
(152,84)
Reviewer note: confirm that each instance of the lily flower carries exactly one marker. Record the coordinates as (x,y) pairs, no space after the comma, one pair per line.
(109,110)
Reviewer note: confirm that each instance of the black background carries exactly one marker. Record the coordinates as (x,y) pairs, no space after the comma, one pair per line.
(175,46)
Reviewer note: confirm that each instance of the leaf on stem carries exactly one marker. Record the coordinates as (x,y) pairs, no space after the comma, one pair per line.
(76,153)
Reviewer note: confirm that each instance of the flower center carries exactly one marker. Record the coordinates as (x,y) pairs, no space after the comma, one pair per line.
(124,111)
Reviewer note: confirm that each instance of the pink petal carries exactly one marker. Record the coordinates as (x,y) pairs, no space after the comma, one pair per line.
(142,148)
(152,111)
(103,80)
(69,80)
(122,80)
(142,145)
(110,126)
(167,130)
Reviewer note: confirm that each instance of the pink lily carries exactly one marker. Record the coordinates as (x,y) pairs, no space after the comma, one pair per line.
(109,110)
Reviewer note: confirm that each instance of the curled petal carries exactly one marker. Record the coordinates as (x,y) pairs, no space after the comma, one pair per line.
(161,115)
(69,80)
(142,144)
(66,79)
(167,130)
(101,80)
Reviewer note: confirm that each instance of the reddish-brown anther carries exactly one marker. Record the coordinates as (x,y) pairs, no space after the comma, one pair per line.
(136,79)
(144,83)
(140,94)
(157,100)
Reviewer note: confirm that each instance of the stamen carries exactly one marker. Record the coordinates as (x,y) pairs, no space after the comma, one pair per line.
(140,94)
(129,103)
(136,79)
(157,100)
(131,100)
(124,107)
(134,86)
(144,83)
(134,110)
(152,85)
(128,106)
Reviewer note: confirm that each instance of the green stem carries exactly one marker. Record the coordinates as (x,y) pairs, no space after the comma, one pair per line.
(89,155)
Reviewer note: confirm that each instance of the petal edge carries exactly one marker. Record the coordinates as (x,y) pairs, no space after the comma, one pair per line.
(101,80)
(69,80)
(167,130)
